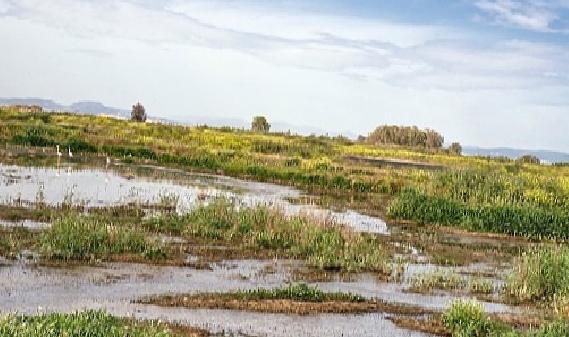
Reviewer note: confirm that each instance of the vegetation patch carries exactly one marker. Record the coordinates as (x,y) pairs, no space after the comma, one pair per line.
(447,280)
(468,319)
(541,275)
(322,243)
(298,299)
(85,238)
(89,323)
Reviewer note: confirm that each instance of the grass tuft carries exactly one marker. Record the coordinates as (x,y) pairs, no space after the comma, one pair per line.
(83,238)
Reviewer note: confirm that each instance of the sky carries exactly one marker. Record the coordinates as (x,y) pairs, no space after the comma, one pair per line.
(488,73)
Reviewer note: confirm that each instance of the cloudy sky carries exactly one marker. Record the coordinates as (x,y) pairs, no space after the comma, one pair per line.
(483,72)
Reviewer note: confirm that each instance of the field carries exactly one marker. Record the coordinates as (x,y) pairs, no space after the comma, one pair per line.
(221,228)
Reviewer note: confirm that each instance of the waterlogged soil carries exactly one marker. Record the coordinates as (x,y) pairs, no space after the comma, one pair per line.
(282,306)
(28,287)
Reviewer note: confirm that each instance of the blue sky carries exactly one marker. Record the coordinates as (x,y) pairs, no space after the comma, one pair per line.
(483,72)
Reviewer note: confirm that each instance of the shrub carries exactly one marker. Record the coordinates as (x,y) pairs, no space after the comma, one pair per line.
(541,274)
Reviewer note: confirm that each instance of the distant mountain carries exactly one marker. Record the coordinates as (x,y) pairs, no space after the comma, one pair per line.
(86,107)
(543,155)
(97,108)
(45,103)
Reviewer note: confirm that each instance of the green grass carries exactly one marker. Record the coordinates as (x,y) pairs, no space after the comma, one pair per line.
(520,220)
(468,319)
(541,274)
(440,279)
(323,244)
(298,292)
(478,194)
(84,238)
(448,280)
(89,323)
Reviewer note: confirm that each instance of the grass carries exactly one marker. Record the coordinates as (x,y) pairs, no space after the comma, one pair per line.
(520,220)
(447,280)
(89,323)
(13,240)
(468,319)
(297,292)
(322,243)
(476,193)
(541,275)
(84,238)
(298,299)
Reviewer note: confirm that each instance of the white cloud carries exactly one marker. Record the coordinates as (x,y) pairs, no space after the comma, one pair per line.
(535,15)
(204,58)
(5,6)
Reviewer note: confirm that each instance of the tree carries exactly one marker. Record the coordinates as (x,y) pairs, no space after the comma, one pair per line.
(138,113)
(260,124)
(406,136)
(528,159)
(455,148)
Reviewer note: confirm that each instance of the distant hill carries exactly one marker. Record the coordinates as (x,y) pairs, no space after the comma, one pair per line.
(543,155)
(97,108)
(87,107)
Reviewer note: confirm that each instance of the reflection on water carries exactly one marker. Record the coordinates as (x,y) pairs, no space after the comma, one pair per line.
(93,187)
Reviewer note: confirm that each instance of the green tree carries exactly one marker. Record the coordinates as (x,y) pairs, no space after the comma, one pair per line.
(405,136)
(260,124)
(138,113)
(455,148)
(528,159)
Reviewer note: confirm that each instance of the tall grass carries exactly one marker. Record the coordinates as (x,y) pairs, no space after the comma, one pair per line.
(541,274)
(323,243)
(468,319)
(82,238)
(476,193)
(521,220)
(89,323)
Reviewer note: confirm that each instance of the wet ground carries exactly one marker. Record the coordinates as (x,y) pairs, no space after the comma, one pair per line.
(26,287)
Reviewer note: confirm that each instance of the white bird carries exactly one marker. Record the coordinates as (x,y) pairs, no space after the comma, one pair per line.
(108,160)
(59,154)
(69,152)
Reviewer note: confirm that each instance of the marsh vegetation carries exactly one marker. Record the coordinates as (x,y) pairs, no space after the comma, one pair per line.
(493,228)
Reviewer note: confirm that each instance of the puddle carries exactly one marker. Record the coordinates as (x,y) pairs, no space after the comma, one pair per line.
(27,224)
(93,187)
(25,287)
(29,289)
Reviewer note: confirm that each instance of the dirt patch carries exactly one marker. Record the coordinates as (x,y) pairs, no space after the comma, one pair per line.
(224,301)
(429,324)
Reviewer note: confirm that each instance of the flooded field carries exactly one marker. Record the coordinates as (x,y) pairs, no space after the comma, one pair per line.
(118,185)
(28,286)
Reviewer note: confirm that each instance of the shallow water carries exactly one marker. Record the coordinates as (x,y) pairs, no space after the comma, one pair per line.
(115,185)
(25,288)
(27,224)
